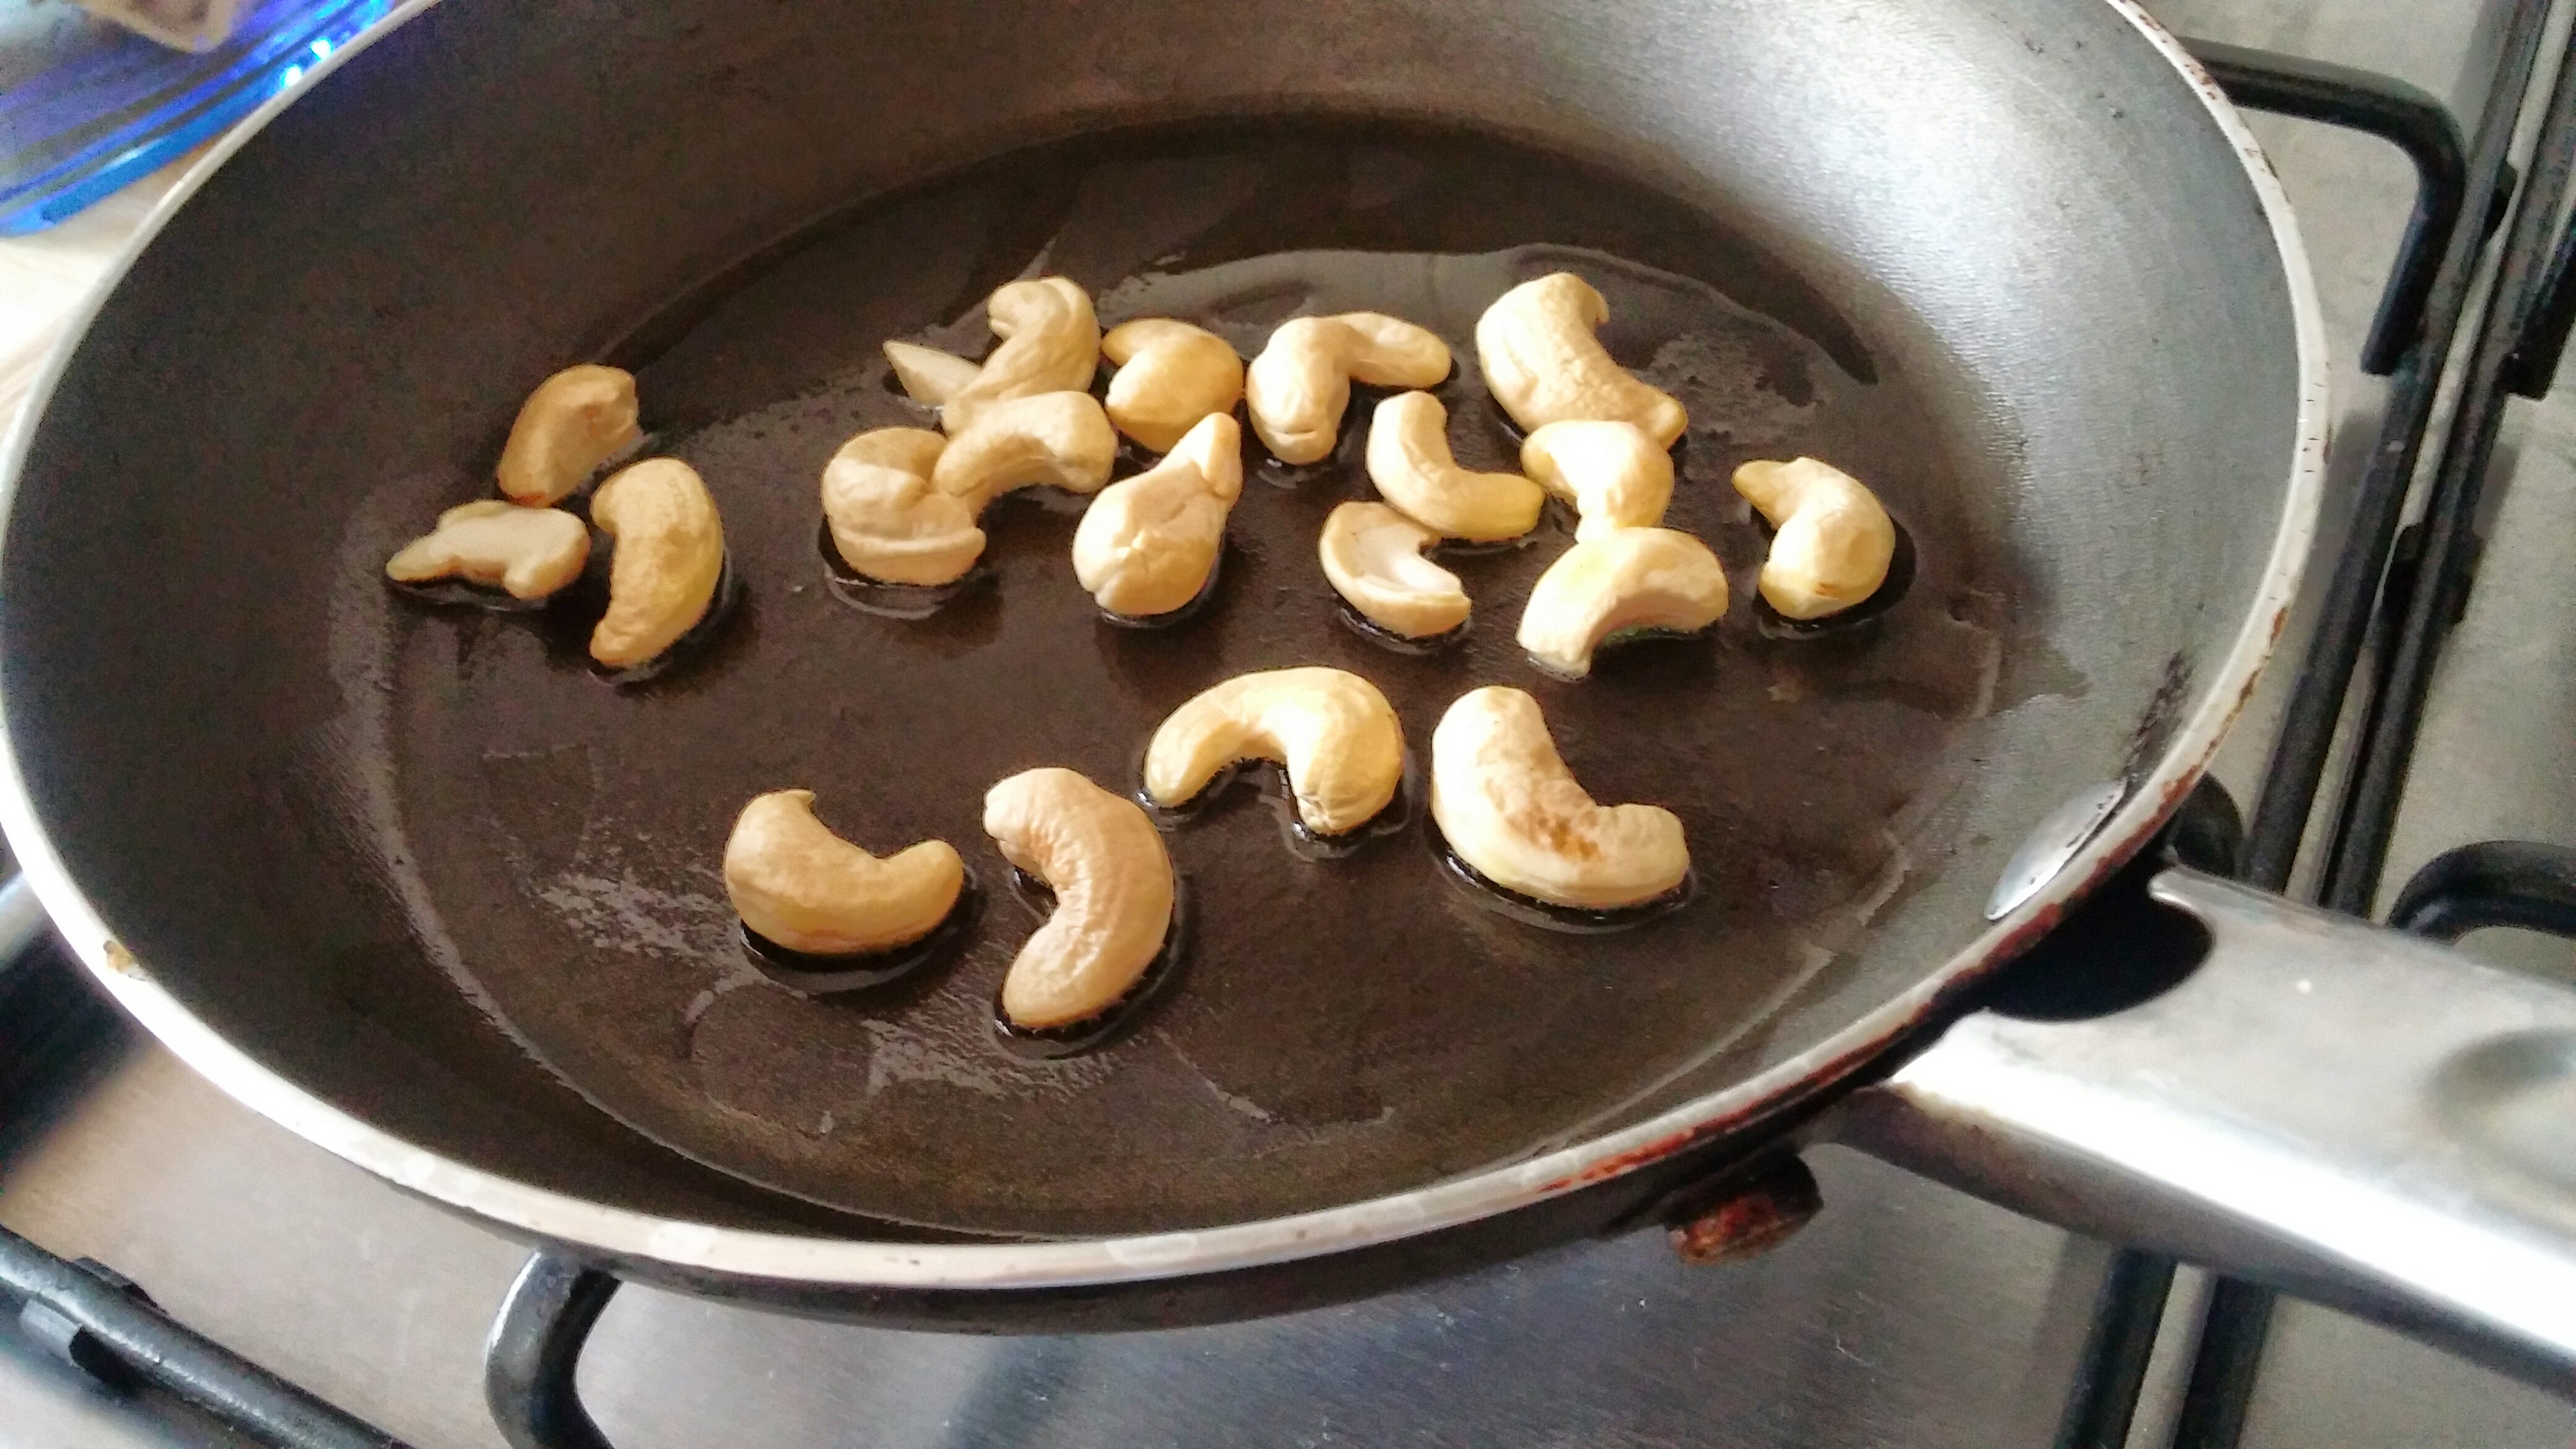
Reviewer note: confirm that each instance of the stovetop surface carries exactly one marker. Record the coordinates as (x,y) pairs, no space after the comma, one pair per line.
(1906,1315)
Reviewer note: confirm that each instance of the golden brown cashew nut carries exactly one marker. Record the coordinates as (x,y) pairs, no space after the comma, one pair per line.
(1297,389)
(531,552)
(670,555)
(1373,557)
(1835,541)
(1333,731)
(802,887)
(1146,545)
(887,521)
(1510,808)
(1543,364)
(1113,887)
(576,420)
(1050,439)
(1620,578)
(1170,375)
(1613,474)
(1410,462)
(1050,343)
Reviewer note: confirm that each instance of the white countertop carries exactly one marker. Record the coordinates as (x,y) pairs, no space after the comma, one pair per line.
(43,275)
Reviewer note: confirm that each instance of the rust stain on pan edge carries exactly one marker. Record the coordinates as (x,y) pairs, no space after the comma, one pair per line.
(1838,1070)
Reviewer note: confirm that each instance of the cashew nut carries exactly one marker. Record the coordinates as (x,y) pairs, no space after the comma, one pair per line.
(576,420)
(928,375)
(1113,887)
(1622,578)
(1050,343)
(1299,385)
(799,885)
(1146,545)
(1170,375)
(1410,462)
(887,521)
(1834,543)
(670,556)
(1058,439)
(1543,364)
(1510,808)
(1613,474)
(531,552)
(1335,733)
(1373,556)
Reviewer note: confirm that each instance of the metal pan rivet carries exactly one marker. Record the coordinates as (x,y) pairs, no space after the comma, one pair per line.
(1755,1216)
(2048,848)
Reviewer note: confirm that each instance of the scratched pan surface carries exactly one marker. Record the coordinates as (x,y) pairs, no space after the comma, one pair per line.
(418,861)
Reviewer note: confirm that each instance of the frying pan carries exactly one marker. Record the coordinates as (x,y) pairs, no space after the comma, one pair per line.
(411,881)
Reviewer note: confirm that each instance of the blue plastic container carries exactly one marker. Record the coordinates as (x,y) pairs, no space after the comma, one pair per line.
(86,107)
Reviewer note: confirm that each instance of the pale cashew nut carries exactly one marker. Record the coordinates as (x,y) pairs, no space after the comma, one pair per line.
(1170,375)
(531,552)
(1835,541)
(1510,808)
(1543,364)
(1332,730)
(928,375)
(576,420)
(1410,462)
(670,556)
(1373,557)
(1050,343)
(1623,578)
(1114,893)
(887,521)
(1613,474)
(1299,386)
(1051,439)
(802,887)
(1147,544)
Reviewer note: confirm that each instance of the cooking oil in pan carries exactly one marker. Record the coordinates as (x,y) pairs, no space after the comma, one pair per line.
(1270,783)
(1890,591)
(1511,905)
(1054,1043)
(1176,617)
(814,974)
(1346,1026)
(1386,638)
(892,601)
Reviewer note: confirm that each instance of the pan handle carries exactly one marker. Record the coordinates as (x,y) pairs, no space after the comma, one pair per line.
(2345,1113)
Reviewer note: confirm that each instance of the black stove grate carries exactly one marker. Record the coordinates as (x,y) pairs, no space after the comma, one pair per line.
(2426,577)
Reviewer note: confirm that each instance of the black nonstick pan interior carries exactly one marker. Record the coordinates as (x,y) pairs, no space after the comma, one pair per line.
(1341,1027)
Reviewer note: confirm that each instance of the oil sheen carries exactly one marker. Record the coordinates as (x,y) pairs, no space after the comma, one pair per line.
(1347,1023)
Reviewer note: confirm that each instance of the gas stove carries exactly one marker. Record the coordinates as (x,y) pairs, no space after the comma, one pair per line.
(1904,1314)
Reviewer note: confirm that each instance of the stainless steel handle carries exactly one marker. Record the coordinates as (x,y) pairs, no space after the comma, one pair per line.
(2345,1113)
